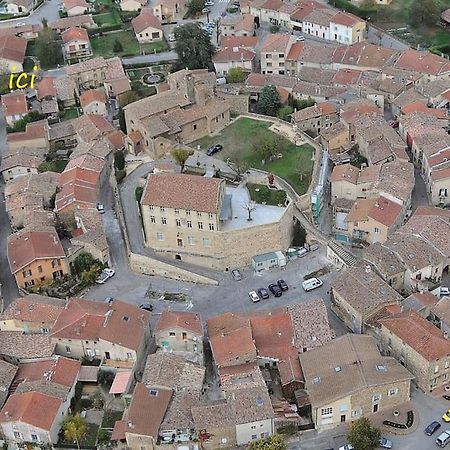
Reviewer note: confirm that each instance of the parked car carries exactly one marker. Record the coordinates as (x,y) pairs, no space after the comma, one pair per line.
(301,252)
(443,439)
(105,275)
(100,208)
(275,289)
(385,443)
(214,149)
(236,275)
(205,10)
(312,283)
(172,37)
(346,447)
(430,429)
(446,416)
(253,296)
(447,397)
(282,285)
(146,306)
(209,3)
(444,291)
(300,38)
(262,292)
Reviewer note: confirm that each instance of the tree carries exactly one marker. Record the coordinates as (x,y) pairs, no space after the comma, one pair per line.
(48,48)
(269,101)
(180,155)
(423,12)
(250,207)
(362,435)
(119,160)
(193,46)
(235,75)
(238,164)
(83,262)
(275,442)
(298,235)
(196,6)
(118,47)
(284,113)
(138,192)
(74,427)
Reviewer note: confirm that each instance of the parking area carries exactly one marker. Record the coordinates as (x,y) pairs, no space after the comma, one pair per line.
(229,295)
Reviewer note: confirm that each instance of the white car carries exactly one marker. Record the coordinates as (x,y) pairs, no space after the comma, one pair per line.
(300,38)
(346,447)
(209,3)
(172,38)
(312,283)
(100,208)
(105,275)
(254,297)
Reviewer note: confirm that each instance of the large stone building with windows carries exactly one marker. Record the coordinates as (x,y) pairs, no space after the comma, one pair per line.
(201,221)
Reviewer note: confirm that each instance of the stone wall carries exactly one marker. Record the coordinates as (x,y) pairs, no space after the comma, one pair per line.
(150,266)
(238,103)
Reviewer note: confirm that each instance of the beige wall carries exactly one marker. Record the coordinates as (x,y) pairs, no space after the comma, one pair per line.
(435,187)
(424,371)
(223,437)
(147,35)
(361,404)
(139,442)
(96,108)
(130,5)
(42,271)
(174,340)
(26,327)
(335,143)
(246,432)
(369,230)
(349,191)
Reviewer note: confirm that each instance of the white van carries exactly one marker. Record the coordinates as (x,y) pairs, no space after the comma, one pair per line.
(443,439)
(312,283)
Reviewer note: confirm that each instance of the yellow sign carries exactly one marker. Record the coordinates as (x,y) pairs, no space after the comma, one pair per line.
(21,80)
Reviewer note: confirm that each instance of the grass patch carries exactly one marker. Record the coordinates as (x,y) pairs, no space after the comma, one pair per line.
(110,418)
(106,19)
(262,194)
(58,165)
(69,113)
(90,437)
(239,138)
(104,45)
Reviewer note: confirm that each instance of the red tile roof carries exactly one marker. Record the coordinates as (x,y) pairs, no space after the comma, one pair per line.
(13,48)
(228,54)
(120,323)
(277,42)
(239,41)
(29,407)
(144,20)
(147,411)
(431,211)
(180,319)
(46,88)
(60,370)
(26,247)
(346,19)
(92,95)
(419,334)
(69,4)
(422,107)
(442,174)
(74,34)
(424,62)
(14,103)
(169,190)
(116,139)
(347,76)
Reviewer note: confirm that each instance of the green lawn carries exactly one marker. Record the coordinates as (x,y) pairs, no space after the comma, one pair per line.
(262,194)
(103,45)
(57,166)
(239,140)
(69,113)
(107,19)
(110,417)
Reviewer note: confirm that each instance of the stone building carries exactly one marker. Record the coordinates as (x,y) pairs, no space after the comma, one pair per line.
(201,221)
(348,378)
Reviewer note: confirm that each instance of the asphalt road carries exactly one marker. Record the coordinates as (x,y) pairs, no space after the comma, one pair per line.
(48,10)
(7,281)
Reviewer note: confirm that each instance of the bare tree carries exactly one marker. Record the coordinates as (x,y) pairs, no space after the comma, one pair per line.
(250,206)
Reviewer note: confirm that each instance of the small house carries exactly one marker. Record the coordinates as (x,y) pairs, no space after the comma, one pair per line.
(268,260)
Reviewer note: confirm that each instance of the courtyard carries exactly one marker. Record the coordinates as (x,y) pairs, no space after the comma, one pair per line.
(241,143)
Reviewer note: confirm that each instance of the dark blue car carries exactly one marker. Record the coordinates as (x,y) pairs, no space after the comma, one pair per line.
(430,429)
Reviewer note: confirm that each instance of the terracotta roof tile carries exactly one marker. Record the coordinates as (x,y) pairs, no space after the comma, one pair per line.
(144,20)
(424,62)
(14,103)
(74,34)
(92,95)
(169,190)
(226,54)
(13,48)
(419,334)
(346,19)
(180,319)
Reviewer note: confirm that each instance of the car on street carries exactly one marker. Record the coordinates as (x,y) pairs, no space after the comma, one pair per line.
(205,10)
(105,275)
(430,429)
(300,38)
(385,443)
(444,291)
(282,285)
(312,283)
(262,292)
(446,416)
(209,3)
(275,289)
(100,208)
(172,37)
(443,439)
(146,306)
(236,275)
(254,297)
(214,149)
(346,447)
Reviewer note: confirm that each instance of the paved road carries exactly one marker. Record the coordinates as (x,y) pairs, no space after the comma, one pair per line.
(419,195)
(379,37)
(156,58)
(48,10)
(7,281)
